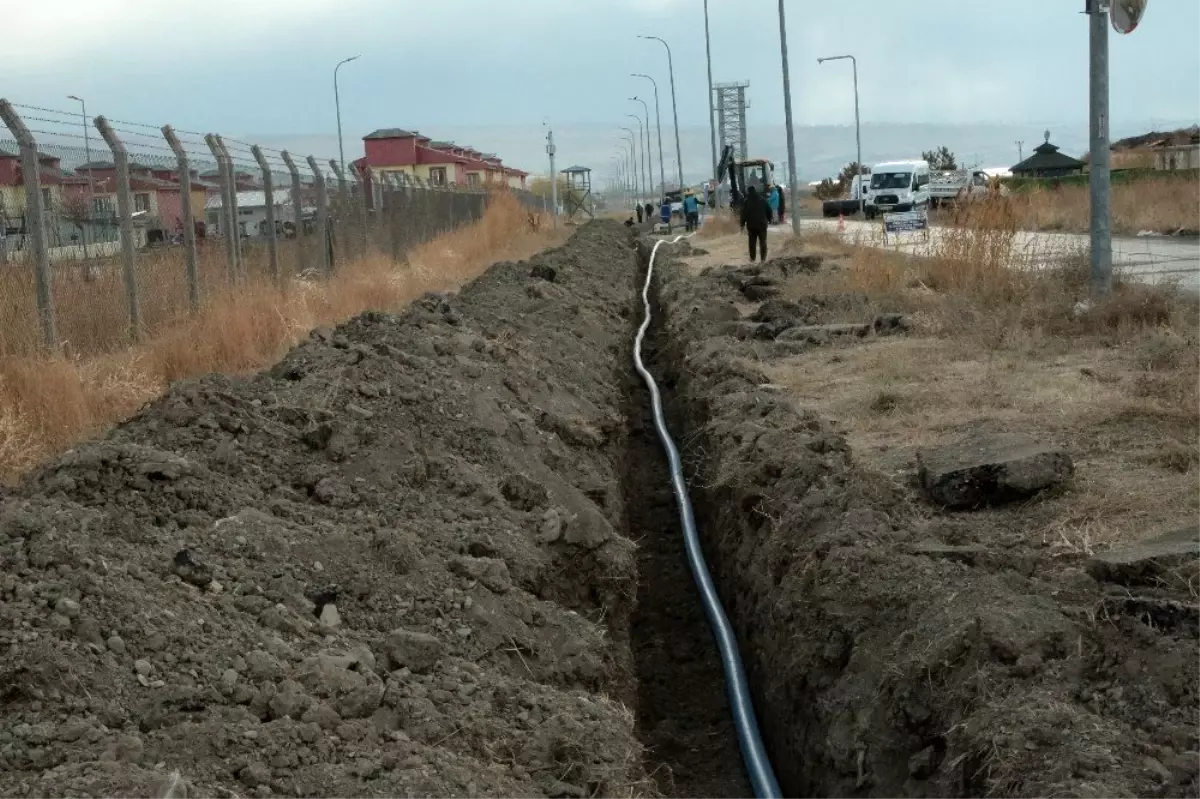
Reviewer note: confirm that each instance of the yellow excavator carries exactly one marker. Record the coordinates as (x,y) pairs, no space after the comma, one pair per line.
(756,172)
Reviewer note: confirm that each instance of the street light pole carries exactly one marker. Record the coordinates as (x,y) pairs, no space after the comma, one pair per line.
(712,112)
(550,150)
(337,103)
(674,108)
(658,124)
(857,128)
(649,166)
(1099,161)
(1020,150)
(787,114)
(633,155)
(87,150)
(641,162)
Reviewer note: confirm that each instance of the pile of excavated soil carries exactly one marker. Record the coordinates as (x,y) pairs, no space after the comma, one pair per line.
(390,565)
(897,653)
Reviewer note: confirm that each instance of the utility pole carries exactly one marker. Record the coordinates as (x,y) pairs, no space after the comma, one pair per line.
(1020,151)
(337,104)
(787,114)
(712,125)
(1099,179)
(857,127)
(553,176)
(674,108)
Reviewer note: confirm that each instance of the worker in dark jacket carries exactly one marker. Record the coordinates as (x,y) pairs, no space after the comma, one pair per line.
(756,215)
(782,204)
(639,212)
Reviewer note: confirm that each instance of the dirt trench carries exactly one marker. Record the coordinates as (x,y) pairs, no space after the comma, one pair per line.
(400,562)
(682,713)
(884,660)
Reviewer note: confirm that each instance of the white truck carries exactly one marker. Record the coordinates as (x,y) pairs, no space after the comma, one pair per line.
(956,185)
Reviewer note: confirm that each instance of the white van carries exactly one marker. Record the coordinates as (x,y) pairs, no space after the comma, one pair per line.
(898,186)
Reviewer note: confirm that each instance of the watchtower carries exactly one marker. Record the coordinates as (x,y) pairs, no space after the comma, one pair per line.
(579,189)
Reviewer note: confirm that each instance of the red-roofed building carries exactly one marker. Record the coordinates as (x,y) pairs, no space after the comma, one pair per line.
(440,163)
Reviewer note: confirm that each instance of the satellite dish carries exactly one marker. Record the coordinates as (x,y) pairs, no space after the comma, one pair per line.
(1125,14)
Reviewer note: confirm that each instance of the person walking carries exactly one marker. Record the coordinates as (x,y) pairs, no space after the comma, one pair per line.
(639,213)
(691,211)
(756,215)
(782,203)
(649,212)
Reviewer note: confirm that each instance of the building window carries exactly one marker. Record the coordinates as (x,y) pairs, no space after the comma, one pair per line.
(437,176)
(473,179)
(141,201)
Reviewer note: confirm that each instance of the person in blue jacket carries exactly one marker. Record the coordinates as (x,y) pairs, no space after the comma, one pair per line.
(664,214)
(773,202)
(691,211)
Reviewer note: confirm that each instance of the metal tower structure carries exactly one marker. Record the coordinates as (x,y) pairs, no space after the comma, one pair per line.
(579,191)
(730,102)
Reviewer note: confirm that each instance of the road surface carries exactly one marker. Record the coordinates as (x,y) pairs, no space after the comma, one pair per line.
(1149,259)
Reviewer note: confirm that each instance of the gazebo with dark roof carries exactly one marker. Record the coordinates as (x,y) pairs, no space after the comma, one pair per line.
(1047,162)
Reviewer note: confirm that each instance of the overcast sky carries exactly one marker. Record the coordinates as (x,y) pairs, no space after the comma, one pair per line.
(264,67)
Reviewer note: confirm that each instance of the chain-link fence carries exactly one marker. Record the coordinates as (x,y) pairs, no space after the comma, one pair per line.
(111,230)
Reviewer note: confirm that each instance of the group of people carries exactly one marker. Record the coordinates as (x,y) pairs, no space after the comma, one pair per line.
(691,212)
(759,211)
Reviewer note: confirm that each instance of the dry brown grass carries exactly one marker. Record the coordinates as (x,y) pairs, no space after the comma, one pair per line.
(721,223)
(1117,384)
(1160,205)
(49,403)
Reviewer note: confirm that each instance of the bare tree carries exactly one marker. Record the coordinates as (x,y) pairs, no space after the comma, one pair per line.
(76,210)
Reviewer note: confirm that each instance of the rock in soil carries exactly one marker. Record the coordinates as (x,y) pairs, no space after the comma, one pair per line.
(1148,561)
(990,469)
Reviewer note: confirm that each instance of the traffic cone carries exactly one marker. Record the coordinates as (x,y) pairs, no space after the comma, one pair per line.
(841,223)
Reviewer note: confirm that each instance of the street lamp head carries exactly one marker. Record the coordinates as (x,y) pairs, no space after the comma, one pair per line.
(73,97)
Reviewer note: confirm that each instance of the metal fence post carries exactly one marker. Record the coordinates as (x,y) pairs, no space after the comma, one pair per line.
(192,271)
(297,208)
(269,199)
(228,220)
(359,194)
(377,190)
(395,196)
(125,209)
(326,257)
(35,232)
(239,262)
(343,209)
